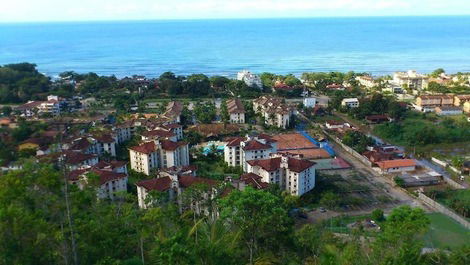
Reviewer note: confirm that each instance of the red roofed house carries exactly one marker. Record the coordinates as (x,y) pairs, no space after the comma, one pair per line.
(396,166)
(239,150)
(297,176)
(158,154)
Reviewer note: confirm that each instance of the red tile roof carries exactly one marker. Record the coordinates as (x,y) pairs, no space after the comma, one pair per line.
(145,148)
(254,181)
(271,164)
(104,138)
(255,145)
(168,145)
(299,165)
(159,184)
(396,163)
(234,141)
(235,106)
(106,176)
(72,157)
(158,133)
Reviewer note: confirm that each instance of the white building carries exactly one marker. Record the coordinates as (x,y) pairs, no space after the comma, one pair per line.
(411,79)
(172,185)
(239,150)
(274,111)
(94,144)
(158,154)
(350,102)
(109,183)
(366,81)
(236,110)
(294,175)
(250,79)
(310,102)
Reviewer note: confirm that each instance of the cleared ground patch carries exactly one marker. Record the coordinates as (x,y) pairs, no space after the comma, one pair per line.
(444,232)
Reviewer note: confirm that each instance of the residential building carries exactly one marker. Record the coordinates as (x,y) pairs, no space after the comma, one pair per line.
(366,81)
(274,111)
(173,185)
(448,110)
(459,100)
(466,107)
(396,166)
(109,182)
(236,110)
(239,150)
(173,111)
(78,160)
(350,102)
(294,175)
(158,134)
(310,102)
(378,118)
(158,154)
(250,79)
(93,144)
(411,79)
(428,103)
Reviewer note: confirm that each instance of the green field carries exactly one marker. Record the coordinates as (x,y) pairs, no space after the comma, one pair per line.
(444,232)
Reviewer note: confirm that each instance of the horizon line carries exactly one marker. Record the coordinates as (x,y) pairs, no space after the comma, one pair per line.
(228,18)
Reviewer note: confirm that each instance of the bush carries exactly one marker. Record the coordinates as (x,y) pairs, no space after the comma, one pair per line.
(378,215)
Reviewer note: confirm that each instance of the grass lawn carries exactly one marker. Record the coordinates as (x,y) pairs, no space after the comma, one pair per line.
(444,232)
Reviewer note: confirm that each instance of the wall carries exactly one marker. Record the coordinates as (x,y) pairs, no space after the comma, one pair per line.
(442,209)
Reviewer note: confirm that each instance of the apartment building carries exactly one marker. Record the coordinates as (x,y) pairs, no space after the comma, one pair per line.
(366,81)
(236,110)
(109,183)
(428,103)
(158,154)
(250,79)
(411,79)
(274,111)
(459,100)
(239,150)
(292,174)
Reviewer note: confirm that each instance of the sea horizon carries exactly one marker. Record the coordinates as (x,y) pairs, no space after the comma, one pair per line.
(373,44)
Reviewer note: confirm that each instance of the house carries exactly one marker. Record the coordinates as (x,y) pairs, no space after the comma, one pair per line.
(274,111)
(396,166)
(350,102)
(466,107)
(335,86)
(8,123)
(77,160)
(239,150)
(28,109)
(424,179)
(172,186)
(460,100)
(158,154)
(448,110)
(250,79)
(428,103)
(310,102)
(114,165)
(294,175)
(411,79)
(366,80)
(332,124)
(374,119)
(109,182)
(236,110)
(98,144)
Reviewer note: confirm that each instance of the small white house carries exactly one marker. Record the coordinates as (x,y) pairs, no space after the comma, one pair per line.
(350,102)
(310,102)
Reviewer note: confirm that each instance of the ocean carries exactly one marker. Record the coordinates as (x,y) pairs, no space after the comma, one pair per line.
(377,45)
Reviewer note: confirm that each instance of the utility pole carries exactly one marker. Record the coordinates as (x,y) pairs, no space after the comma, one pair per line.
(67,200)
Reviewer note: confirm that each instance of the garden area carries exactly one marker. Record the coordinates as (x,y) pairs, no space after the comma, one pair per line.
(213,166)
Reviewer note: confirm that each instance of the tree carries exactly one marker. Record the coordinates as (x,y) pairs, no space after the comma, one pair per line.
(224,112)
(258,216)
(378,215)
(6,110)
(436,73)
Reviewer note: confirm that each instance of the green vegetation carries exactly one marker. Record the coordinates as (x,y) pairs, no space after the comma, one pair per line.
(41,222)
(457,200)
(418,130)
(213,166)
(444,232)
(357,141)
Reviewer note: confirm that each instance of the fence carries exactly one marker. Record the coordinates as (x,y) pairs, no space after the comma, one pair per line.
(442,209)
(439,162)
(353,152)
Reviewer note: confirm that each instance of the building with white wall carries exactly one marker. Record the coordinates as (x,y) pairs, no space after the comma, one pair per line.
(158,154)
(239,150)
(411,79)
(350,102)
(250,79)
(236,110)
(310,102)
(294,175)
(274,111)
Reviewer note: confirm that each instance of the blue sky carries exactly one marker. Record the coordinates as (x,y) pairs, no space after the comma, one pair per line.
(90,10)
